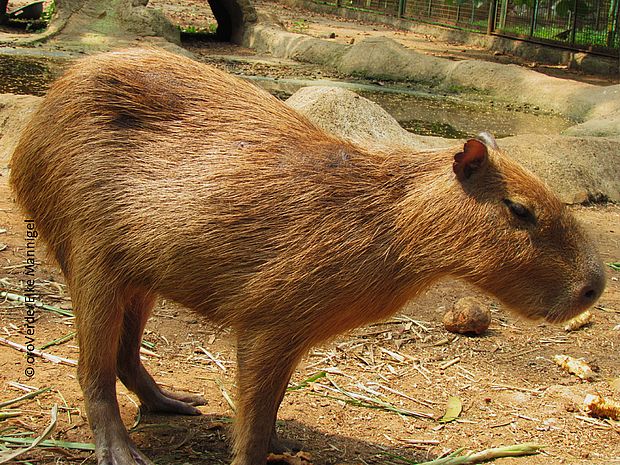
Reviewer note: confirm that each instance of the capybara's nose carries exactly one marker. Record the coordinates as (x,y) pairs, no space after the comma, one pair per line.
(593,289)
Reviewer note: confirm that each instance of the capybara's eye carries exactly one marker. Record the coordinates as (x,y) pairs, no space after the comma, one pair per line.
(520,211)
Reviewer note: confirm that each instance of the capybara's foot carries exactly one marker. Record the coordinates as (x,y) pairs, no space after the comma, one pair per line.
(165,403)
(191,399)
(121,454)
(279,445)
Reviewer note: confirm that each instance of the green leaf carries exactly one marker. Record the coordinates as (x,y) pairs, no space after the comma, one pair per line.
(311,379)
(454,408)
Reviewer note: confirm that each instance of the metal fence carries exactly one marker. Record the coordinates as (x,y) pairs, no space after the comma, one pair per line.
(589,25)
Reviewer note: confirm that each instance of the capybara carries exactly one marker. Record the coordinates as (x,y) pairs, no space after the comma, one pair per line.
(149,174)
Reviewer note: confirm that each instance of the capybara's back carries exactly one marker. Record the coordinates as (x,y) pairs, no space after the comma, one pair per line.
(150,174)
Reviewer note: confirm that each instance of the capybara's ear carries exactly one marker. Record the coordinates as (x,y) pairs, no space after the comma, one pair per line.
(473,157)
(488,140)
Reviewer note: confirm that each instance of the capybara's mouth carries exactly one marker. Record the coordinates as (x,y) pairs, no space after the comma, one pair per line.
(560,316)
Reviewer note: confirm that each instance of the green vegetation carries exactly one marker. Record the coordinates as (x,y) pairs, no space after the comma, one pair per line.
(197,30)
(33,25)
(583,36)
(299,26)
(49,12)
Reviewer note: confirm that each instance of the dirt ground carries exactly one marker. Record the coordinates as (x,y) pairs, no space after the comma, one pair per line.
(511,390)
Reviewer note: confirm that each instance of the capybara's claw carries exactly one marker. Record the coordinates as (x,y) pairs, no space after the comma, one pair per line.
(165,404)
(125,454)
(139,457)
(191,399)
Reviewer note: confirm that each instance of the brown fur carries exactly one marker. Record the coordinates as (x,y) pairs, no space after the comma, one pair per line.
(150,174)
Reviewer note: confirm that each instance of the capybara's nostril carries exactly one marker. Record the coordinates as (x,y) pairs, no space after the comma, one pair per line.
(591,291)
(588,294)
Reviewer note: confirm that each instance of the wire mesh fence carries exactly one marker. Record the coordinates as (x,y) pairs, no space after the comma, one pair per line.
(590,25)
(471,15)
(579,23)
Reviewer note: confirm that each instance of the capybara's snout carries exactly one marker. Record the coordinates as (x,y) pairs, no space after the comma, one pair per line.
(586,293)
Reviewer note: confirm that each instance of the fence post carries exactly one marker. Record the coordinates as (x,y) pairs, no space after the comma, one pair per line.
(430,7)
(492,12)
(534,18)
(503,14)
(401,8)
(612,23)
(573,31)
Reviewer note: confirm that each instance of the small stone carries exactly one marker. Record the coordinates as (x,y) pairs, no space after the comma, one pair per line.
(469,316)
(580,197)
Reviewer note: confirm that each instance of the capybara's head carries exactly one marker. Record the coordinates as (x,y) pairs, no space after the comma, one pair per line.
(523,245)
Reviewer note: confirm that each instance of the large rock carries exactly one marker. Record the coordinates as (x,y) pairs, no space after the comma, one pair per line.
(356,118)
(578,169)
(606,125)
(15,111)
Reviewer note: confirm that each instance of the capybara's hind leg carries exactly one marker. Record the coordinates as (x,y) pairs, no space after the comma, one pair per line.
(99,322)
(265,364)
(133,374)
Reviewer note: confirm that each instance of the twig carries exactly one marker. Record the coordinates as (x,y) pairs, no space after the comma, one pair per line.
(213,359)
(395,355)
(369,402)
(429,442)
(38,353)
(145,351)
(226,396)
(406,396)
(9,414)
(58,341)
(517,388)
(449,363)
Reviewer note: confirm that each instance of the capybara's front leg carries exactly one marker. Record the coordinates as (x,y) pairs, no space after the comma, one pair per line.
(278,445)
(265,364)
(100,322)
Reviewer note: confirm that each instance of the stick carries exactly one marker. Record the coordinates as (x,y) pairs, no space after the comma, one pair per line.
(52,358)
